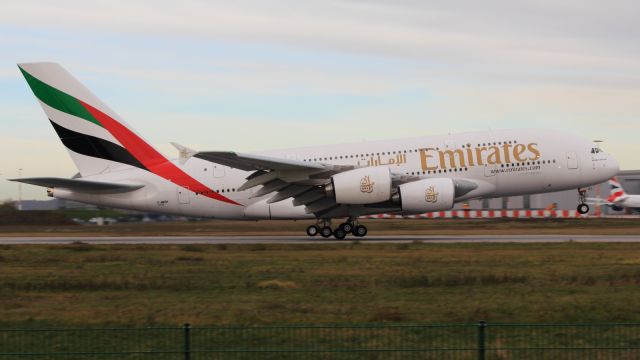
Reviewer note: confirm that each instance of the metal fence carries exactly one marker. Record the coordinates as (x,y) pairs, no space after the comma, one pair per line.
(454,341)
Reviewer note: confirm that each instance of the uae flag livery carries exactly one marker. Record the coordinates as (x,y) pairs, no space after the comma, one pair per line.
(86,126)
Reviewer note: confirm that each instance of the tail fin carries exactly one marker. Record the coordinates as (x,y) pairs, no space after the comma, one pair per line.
(616,190)
(96,137)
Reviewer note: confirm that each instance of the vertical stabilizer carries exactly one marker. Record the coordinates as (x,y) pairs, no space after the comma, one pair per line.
(95,136)
(617,191)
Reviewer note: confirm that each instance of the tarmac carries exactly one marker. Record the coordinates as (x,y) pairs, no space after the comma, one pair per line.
(52,240)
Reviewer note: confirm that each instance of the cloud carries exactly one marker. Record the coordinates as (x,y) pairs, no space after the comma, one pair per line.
(250,75)
(523,33)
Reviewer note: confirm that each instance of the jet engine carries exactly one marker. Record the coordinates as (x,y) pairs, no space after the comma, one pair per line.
(435,194)
(361,186)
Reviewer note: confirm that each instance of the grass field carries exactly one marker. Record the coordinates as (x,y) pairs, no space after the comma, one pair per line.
(140,285)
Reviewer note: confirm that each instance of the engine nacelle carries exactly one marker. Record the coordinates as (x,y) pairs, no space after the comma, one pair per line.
(427,195)
(361,186)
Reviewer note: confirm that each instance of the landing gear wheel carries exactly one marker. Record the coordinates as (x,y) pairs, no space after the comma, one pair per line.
(326,232)
(339,233)
(583,209)
(360,231)
(312,230)
(347,227)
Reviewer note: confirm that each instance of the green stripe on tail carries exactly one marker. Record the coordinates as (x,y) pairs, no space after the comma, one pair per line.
(58,99)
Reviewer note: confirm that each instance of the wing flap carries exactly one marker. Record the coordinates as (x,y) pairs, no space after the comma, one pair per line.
(268,188)
(289,191)
(308,197)
(320,205)
(79,185)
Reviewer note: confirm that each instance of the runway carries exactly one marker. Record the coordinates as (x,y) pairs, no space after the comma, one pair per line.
(52,240)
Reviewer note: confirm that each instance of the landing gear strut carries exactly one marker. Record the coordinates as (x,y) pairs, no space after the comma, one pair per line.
(350,226)
(583,208)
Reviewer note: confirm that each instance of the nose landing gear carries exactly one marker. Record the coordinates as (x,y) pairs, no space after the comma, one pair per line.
(583,208)
(351,226)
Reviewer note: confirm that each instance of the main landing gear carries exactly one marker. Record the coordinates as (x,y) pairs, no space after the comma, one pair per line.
(583,208)
(323,228)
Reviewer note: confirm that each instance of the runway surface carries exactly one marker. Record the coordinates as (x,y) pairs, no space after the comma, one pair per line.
(318,240)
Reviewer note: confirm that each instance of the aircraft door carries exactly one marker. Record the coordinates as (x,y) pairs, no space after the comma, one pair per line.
(183,195)
(490,170)
(572,160)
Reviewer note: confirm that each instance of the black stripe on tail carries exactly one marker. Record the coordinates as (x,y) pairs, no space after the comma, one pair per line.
(95,147)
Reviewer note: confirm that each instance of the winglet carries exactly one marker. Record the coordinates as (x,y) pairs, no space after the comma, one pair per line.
(184,153)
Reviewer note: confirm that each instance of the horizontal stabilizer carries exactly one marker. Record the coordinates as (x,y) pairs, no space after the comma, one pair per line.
(80,185)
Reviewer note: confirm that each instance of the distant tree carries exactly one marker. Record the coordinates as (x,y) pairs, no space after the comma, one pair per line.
(8,203)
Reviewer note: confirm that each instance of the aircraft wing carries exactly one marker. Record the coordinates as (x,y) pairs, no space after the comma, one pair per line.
(289,178)
(283,178)
(250,162)
(79,185)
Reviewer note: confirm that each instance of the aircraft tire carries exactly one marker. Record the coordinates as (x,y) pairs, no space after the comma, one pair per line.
(360,231)
(340,234)
(326,232)
(347,227)
(312,230)
(583,209)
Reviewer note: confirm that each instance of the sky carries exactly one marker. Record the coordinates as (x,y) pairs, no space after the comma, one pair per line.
(256,75)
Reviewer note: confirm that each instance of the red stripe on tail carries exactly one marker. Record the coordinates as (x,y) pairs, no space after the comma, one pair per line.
(152,159)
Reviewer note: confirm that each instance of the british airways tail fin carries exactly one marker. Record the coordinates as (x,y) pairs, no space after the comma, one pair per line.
(617,191)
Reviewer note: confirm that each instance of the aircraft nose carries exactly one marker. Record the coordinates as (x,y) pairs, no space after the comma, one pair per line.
(612,166)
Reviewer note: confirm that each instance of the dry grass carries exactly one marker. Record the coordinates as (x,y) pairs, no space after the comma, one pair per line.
(83,284)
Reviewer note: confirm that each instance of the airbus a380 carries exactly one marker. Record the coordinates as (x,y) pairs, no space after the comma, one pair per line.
(117,168)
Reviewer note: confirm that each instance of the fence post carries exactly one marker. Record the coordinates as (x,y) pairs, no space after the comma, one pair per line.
(187,341)
(481,341)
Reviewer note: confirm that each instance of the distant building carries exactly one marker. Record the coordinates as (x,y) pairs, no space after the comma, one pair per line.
(563,200)
(54,204)
(31,205)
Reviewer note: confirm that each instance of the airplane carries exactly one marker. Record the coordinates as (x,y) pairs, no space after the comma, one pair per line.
(618,199)
(118,168)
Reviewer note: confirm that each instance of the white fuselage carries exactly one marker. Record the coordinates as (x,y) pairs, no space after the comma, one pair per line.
(503,163)
(629,201)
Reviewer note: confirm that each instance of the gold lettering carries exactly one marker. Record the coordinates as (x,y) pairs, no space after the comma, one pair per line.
(424,159)
(366,185)
(506,152)
(494,157)
(479,156)
(533,147)
(430,195)
(518,150)
(470,156)
(452,158)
